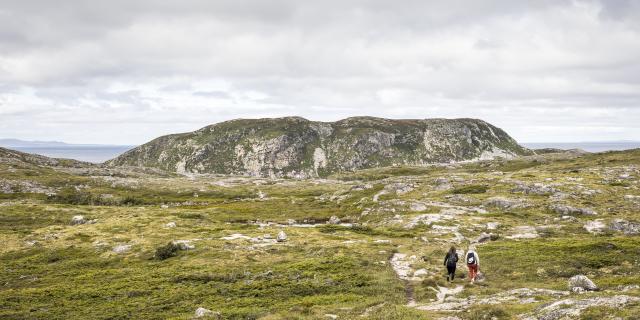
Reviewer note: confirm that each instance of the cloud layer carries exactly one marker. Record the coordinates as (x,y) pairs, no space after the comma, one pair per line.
(127,71)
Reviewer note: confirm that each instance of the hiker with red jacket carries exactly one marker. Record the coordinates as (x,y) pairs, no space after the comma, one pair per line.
(473,263)
(450,260)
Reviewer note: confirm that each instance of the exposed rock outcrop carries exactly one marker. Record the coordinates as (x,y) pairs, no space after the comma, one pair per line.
(296,147)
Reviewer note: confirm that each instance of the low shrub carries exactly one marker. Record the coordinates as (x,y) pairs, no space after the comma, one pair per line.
(167,251)
(471,189)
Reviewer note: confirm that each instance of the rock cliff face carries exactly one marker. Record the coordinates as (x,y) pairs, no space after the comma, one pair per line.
(296,147)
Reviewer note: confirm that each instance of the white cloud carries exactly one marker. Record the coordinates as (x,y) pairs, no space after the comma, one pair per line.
(127,71)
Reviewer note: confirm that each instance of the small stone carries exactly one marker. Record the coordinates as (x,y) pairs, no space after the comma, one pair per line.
(420,272)
(595,226)
(170,225)
(282,237)
(492,225)
(581,281)
(202,312)
(184,244)
(331,316)
(334,220)
(164,206)
(78,220)
(122,248)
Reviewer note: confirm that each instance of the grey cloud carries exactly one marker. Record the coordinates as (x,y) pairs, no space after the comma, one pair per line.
(188,63)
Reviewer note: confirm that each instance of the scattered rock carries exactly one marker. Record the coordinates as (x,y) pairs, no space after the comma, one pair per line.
(492,225)
(420,273)
(484,237)
(524,232)
(417,206)
(282,237)
(571,308)
(334,220)
(627,227)
(123,248)
(595,226)
(564,210)
(362,187)
(581,281)
(441,180)
(520,296)
(170,225)
(400,188)
(401,264)
(75,220)
(504,203)
(235,236)
(628,287)
(164,206)
(535,189)
(331,316)
(202,313)
(184,244)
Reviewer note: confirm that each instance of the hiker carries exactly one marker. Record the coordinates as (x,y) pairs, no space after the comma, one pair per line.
(450,260)
(473,263)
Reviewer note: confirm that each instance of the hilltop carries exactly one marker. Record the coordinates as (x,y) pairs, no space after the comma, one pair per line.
(296,147)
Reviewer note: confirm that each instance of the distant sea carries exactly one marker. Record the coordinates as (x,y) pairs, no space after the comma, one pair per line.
(89,153)
(586,146)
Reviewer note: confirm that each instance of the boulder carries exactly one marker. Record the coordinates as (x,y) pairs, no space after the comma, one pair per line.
(122,248)
(565,210)
(75,220)
(417,206)
(184,244)
(202,313)
(535,189)
(492,225)
(485,237)
(626,227)
(581,281)
(282,237)
(595,226)
(504,203)
(441,180)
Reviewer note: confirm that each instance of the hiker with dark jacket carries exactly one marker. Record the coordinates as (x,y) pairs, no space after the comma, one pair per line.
(450,260)
(473,263)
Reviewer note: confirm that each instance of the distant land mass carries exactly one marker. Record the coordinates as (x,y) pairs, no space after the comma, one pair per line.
(297,147)
(590,146)
(95,153)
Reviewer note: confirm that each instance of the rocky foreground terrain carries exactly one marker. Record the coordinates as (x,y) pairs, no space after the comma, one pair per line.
(296,147)
(557,234)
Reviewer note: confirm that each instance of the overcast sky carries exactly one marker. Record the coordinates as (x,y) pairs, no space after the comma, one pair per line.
(124,72)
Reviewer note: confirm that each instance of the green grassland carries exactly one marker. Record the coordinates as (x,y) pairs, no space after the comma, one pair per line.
(52,269)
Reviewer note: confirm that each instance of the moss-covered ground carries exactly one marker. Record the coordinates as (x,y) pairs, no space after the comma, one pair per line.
(106,269)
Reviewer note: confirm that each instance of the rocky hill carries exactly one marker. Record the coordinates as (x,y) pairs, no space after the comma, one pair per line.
(9,156)
(296,147)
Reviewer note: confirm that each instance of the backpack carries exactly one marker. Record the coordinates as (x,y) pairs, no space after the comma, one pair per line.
(452,259)
(471,258)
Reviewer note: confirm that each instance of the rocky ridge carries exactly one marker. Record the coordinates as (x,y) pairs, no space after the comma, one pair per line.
(296,147)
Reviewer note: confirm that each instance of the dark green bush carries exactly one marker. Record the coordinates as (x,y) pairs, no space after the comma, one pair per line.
(71,195)
(131,201)
(167,251)
(474,188)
